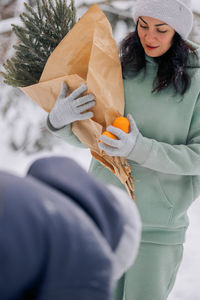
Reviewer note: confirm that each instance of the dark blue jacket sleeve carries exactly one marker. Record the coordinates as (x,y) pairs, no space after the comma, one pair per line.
(67,177)
(49,246)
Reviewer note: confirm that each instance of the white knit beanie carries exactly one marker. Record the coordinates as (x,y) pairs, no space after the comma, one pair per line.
(176,13)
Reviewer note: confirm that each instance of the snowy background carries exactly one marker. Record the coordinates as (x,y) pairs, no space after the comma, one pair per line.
(24,137)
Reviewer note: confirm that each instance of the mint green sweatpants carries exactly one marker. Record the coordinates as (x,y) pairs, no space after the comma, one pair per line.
(153,274)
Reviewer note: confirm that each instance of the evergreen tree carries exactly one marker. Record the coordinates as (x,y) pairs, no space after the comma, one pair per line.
(42,31)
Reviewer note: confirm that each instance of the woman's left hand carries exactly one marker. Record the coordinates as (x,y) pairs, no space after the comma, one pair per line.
(125,142)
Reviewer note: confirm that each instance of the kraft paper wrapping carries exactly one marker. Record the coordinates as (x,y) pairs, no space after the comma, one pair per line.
(88,54)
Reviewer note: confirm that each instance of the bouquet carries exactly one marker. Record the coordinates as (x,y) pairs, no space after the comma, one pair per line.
(88,54)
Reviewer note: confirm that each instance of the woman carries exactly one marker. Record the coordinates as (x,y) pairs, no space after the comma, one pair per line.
(161,72)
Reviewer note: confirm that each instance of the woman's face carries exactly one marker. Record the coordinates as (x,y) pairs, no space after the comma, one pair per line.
(155,36)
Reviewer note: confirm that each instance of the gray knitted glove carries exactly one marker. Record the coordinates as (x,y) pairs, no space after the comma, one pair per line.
(125,143)
(71,108)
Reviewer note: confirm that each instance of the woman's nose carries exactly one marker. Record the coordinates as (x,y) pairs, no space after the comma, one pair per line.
(150,36)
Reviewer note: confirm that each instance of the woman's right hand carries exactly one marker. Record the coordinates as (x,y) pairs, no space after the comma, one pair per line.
(71,108)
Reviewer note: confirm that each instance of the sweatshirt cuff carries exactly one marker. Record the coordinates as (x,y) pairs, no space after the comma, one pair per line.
(64,131)
(142,149)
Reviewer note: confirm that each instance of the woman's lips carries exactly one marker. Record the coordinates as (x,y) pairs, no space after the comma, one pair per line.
(151,48)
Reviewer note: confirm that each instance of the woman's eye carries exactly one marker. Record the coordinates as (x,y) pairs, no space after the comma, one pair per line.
(162,31)
(145,27)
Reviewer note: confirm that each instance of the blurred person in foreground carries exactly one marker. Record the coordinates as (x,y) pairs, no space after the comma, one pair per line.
(161,77)
(63,234)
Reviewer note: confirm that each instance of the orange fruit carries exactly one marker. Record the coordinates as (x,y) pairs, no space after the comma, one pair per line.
(109,134)
(122,123)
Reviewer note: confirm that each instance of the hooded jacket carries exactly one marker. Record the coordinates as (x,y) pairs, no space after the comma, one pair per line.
(62,234)
(166,158)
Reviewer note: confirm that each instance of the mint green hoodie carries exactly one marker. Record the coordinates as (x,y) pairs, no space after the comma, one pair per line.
(166,158)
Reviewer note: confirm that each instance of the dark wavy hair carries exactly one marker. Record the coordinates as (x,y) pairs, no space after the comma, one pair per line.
(171,65)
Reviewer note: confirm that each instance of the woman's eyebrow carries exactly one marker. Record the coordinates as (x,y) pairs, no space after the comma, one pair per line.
(154,25)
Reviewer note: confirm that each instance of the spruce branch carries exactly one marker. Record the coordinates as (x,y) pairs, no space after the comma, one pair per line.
(42,30)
